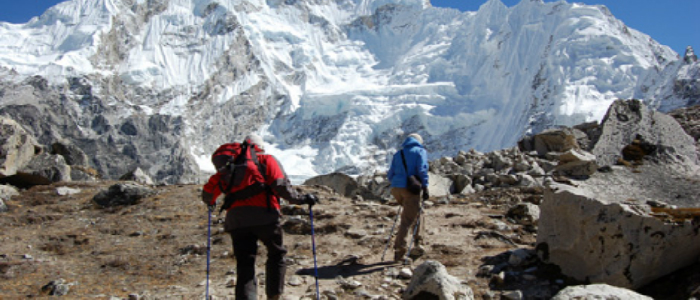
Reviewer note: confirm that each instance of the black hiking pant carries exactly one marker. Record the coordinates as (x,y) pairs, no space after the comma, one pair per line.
(245,248)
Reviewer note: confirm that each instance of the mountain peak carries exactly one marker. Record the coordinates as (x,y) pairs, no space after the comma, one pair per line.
(335,84)
(690,56)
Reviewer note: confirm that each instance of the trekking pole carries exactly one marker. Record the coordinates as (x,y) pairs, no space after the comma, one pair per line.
(313,244)
(208,250)
(415,230)
(388,239)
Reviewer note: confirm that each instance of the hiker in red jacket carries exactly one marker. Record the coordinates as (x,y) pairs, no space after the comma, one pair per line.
(253,212)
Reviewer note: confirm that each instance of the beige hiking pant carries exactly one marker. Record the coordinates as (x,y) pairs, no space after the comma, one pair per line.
(411,206)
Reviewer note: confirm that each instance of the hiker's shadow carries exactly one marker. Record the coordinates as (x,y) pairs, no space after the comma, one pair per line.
(345,269)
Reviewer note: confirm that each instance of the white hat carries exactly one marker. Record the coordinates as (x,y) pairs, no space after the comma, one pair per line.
(256,140)
(417,137)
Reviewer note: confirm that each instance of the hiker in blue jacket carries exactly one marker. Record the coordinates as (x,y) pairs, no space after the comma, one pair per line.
(415,159)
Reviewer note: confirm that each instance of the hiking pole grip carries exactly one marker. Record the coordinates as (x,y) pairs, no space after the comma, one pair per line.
(313,247)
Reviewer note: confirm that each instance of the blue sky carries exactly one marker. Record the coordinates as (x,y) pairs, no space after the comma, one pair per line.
(674,23)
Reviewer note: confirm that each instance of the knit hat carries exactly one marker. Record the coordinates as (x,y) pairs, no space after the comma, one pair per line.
(417,137)
(256,140)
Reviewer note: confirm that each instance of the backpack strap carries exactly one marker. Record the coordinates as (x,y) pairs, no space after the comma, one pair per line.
(262,169)
(231,165)
(403,159)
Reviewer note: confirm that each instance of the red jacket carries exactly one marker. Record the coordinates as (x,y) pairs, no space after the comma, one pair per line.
(254,211)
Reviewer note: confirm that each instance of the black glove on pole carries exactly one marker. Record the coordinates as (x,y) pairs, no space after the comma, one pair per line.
(311,200)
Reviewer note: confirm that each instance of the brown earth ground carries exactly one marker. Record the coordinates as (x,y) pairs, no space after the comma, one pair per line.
(157,249)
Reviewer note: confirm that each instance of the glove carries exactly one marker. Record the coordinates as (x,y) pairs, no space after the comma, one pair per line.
(426,195)
(311,200)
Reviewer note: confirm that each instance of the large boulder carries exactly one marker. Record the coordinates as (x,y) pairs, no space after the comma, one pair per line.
(43,169)
(17,147)
(602,230)
(598,291)
(555,140)
(339,182)
(431,281)
(576,163)
(439,186)
(375,187)
(627,121)
(73,155)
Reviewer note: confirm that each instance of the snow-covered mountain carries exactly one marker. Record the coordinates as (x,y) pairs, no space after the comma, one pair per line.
(329,84)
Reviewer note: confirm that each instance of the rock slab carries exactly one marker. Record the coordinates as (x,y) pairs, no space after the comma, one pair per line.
(597,239)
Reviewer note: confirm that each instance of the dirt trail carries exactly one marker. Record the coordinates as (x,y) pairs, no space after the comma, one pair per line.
(157,249)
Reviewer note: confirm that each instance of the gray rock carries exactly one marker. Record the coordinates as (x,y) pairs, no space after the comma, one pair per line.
(122,194)
(56,288)
(576,163)
(73,155)
(527,181)
(598,291)
(66,191)
(460,183)
(631,248)
(43,169)
(525,213)
(439,185)
(17,147)
(339,182)
(555,140)
(84,174)
(432,278)
(137,175)
(626,121)
(7,192)
(3,207)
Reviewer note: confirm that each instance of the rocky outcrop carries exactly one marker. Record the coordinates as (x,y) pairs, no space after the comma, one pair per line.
(88,132)
(17,147)
(431,281)
(627,121)
(602,230)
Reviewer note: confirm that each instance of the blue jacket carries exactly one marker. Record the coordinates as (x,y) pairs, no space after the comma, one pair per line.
(416,161)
